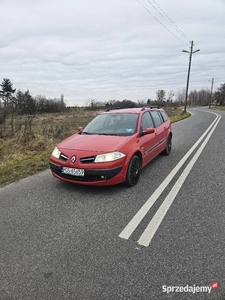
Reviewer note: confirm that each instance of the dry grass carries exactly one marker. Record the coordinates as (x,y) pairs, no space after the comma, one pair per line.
(26,150)
(26,146)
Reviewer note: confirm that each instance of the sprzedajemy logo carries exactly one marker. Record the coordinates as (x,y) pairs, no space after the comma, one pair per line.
(190,288)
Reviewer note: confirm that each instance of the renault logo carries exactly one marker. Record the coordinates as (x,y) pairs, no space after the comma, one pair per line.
(73,159)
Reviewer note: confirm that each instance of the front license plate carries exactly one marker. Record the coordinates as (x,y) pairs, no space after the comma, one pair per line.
(73,171)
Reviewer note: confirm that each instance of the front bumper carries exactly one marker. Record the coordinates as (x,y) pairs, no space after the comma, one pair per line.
(92,176)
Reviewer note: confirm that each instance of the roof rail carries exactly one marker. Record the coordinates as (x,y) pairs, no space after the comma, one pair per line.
(150,106)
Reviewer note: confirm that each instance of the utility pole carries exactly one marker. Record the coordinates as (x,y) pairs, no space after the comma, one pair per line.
(211,93)
(189,70)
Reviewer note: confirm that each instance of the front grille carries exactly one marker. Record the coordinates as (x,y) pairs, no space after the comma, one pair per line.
(87,160)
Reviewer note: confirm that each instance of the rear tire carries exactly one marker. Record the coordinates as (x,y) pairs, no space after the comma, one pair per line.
(133,171)
(168,148)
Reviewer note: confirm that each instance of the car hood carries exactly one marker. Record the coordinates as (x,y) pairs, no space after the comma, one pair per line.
(95,143)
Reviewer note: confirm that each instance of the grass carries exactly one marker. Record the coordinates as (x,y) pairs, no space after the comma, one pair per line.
(182,115)
(218,107)
(25,149)
(22,166)
(26,142)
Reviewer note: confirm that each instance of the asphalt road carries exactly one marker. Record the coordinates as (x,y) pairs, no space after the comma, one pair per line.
(61,241)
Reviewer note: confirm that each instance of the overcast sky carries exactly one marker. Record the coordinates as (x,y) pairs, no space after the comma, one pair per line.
(110,49)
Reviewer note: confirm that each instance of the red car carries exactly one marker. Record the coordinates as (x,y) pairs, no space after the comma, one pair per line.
(113,147)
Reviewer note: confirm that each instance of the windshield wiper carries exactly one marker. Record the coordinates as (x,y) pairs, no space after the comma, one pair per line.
(85,132)
(106,134)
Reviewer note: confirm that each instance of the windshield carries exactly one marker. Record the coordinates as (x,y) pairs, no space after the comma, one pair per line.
(113,124)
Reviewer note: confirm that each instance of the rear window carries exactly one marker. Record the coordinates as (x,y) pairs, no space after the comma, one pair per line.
(164,116)
(156,118)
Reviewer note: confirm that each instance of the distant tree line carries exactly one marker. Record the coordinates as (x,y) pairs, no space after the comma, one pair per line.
(12,102)
(195,98)
(24,103)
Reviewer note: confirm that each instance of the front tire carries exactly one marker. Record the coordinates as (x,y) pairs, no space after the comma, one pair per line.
(168,148)
(133,171)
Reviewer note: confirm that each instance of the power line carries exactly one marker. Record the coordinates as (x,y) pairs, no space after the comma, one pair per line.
(161,23)
(200,62)
(202,65)
(168,19)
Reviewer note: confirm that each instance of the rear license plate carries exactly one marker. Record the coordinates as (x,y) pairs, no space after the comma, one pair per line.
(73,171)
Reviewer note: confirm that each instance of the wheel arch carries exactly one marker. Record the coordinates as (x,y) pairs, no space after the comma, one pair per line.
(139,154)
(132,153)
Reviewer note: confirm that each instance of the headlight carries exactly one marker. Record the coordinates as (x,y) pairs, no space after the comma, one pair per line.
(56,153)
(109,156)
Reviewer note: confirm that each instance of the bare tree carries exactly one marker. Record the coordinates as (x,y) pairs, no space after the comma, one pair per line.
(220,94)
(170,96)
(180,96)
(161,95)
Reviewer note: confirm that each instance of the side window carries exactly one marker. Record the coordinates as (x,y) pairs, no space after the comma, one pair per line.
(146,121)
(164,115)
(156,118)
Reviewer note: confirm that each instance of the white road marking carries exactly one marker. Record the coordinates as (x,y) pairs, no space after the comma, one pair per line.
(152,227)
(132,225)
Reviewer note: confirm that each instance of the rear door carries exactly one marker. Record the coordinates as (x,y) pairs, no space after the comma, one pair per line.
(161,130)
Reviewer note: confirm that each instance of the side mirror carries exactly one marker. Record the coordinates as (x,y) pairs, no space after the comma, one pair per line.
(80,128)
(148,131)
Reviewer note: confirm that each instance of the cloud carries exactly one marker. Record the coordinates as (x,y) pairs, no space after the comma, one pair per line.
(110,49)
